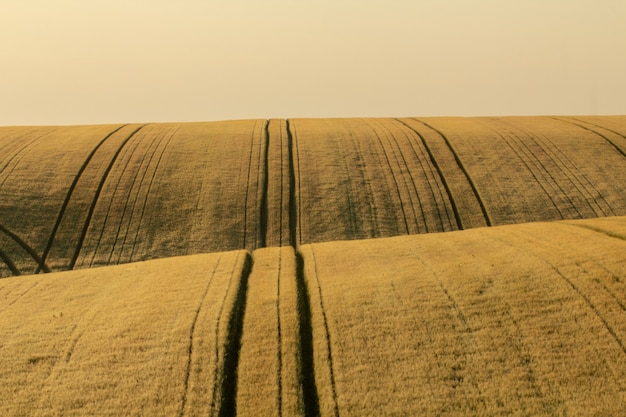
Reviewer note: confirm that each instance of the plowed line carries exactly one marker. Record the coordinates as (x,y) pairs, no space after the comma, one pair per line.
(328,339)
(430,176)
(41,264)
(136,199)
(547,172)
(247,196)
(597,230)
(226,388)
(18,156)
(575,173)
(279,353)
(398,151)
(306,370)
(83,234)
(362,168)
(70,191)
(437,196)
(145,202)
(434,162)
(294,206)
(617,148)
(532,171)
(263,220)
(393,177)
(121,175)
(9,263)
(192,331)
(462,167)
(577,290)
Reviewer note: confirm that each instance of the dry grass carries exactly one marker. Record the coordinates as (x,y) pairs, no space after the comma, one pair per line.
(514,320)
(138,339)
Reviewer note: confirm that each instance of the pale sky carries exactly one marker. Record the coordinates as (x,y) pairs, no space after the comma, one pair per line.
(114,61)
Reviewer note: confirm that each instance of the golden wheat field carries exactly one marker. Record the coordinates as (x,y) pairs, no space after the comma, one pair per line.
(331,267)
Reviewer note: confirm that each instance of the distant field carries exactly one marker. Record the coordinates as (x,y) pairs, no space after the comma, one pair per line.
(77,197)
(522,319)
(315,267)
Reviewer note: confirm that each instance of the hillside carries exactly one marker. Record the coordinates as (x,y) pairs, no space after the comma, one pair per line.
(78,197)
(331,267)
(521,319)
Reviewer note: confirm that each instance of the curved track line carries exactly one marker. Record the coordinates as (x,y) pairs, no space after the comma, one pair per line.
(393,177)
(145,202)
(69,193)
(156,144)
(128,194)
(20,155)
(455,208)
(438,198)
(617,148)
(391,139)
(9,263)
(460,164)
(333,385)
(567,167)
(41,264)
(83,234)
(192,331)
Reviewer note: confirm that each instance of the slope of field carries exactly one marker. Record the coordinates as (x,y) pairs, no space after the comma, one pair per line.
(142,339)
(523,319)
(79,197)
(513,320)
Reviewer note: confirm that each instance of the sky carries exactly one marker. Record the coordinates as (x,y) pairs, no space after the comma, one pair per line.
(117,61)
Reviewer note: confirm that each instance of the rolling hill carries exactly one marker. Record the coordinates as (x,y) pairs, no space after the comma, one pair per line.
(409,266)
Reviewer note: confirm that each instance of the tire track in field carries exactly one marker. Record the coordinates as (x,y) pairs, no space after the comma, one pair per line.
(561,161)
(615,145)
(129,192)
(145,202)
(279,352)
(556,186)
(438,198)
(465,172)
(525,161)
(19,155)
(69,193)
(534,243)
(362,168)
(355,228)
(9,263)
(156,144)
(94,201)
(306,370)
(393,177)
(263,219)
(225,382)
(33,254)
(295,215)
(444,181)
(391,139)
(246,198)
(328,344)
(190,348)
(121,175)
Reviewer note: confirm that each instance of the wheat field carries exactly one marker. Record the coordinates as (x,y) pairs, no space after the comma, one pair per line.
(334,267)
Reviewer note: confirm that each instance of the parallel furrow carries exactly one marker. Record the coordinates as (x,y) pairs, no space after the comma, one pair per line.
(465,172)
(70,192)
(440,173)
(94,201)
